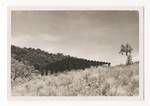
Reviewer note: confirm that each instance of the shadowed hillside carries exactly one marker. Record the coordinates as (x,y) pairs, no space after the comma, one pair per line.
(47,62)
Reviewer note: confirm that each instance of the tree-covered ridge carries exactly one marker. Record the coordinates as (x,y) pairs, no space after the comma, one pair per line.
(47,62)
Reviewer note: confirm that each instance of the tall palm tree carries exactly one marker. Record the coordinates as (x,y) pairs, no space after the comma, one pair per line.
(127,49)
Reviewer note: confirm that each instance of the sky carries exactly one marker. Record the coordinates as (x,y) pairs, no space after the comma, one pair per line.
(94,35)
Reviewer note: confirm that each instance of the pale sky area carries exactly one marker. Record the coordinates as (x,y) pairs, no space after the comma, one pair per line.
(94,35)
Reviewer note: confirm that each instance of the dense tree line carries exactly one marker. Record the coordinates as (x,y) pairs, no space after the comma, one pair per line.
(71,63)
(47,62)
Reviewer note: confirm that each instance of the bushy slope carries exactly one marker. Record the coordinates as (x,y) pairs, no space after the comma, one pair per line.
(20,72)
(101,81)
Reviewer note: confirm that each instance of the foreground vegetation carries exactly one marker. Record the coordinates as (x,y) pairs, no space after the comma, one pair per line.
(101,81)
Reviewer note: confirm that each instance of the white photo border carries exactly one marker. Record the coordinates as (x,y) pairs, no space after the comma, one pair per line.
(79,8)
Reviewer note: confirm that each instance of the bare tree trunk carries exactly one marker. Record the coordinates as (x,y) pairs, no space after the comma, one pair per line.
(129,59)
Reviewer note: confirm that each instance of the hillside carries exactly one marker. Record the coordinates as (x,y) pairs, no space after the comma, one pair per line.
(47,63)
(101,81)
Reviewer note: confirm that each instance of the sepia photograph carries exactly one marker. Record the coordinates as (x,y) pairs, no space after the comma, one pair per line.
(75,53)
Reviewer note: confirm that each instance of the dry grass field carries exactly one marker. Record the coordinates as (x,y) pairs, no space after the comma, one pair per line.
(119,80)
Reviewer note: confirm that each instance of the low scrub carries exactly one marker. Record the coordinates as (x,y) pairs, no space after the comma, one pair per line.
(100,81)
